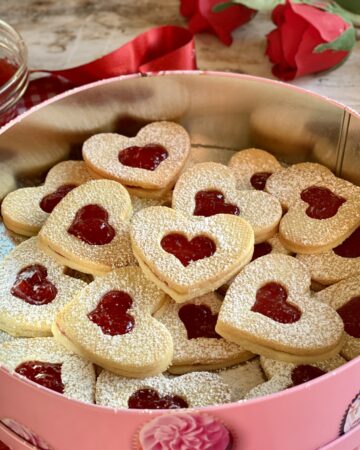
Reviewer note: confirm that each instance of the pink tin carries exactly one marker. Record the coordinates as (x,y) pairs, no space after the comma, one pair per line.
(223,113)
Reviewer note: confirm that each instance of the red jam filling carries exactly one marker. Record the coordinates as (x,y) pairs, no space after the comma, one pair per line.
(150,399)
(350,248)
(209,203)
(199,321)
(199,247)
(111,313)
(305,372)
(350,314)
(262,249)
(148,157)
(258,180)
(44,373)
(32,286)
(49,202)
(271,302)
(91,225)
(7,70)
(323,203)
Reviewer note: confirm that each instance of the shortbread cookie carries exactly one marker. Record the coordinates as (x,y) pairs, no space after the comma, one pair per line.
(252,167)
(139,203)
(46,363)
(187,257)
(5,337)
(242,378)
(283,375)
(110,323)
(33,289)
(89,230)
(196,344)
(209,188)
(147,164)
(345,298)
(323,210)
(337,264)
(40,201)
(269,311)
(7,180)
(192,390)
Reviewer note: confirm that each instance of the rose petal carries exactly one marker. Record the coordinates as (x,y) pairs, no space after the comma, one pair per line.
(277,15)
(188,8)
(292,31)
(274,47)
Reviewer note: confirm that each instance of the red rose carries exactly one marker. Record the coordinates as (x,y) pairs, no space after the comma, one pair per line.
(307,39)
(202,18)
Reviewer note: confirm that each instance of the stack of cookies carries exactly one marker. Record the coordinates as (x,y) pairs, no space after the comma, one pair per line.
(148,282)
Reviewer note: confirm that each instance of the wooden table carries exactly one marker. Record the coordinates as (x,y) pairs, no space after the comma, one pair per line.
(61,34)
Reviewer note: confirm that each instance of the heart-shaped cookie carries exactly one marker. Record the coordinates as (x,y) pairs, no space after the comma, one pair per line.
(192,390)
(187,257)
(345,298)
(48,364)
(40,201)
(196,344)
(110,323)
(147,165)
(337,264)
(323,210)
(6,337)
(268,310)
(34,288)
(209,188)
(283,375)
(88,230)
(252,167)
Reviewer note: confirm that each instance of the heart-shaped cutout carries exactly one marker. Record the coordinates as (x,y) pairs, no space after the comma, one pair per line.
(271,302)
(209,188)
(197,346)
(111,313)
(252,167)
(187,251)
(46,363)
(116,311)
(323,203)
(199,321)
(33,286)
(344,297)
(88,230)
(228,246)
(304,373)
(44,373)
(323,210)
(301,330)
(147,157)
(187,391)
(40,201)
(148,164)
(91,225)
(151,399)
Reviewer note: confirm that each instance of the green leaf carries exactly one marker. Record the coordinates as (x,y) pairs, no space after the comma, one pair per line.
(344,42)
(259,5)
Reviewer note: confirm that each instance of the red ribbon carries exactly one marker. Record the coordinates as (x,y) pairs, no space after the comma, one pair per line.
(161,48)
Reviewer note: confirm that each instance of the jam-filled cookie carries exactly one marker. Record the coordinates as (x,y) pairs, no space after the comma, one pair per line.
(147,165)
(187,257)
(34,288)
(48,364)
(209,188)
(283,375)
(5,337)
(337,264)
(192,390)
(197,346)
(40,201)
(345,298)
(89,230)
(110,323)
(252,167)
(268,310)
(322,210)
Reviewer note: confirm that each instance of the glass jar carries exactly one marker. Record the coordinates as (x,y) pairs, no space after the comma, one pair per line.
(14,74)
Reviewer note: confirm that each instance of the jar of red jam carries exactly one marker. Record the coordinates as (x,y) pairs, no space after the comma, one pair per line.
(14,74)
